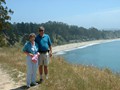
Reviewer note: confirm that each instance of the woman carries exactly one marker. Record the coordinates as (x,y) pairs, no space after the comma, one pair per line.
(31,50)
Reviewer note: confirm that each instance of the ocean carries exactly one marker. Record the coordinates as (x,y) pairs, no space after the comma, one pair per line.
(101,55)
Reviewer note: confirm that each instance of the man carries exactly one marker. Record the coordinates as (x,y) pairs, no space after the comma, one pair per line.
(45,50)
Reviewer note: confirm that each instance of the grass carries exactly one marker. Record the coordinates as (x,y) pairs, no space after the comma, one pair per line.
(62,75)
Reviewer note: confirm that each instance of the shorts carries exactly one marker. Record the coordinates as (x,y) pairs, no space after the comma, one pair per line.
(43,59)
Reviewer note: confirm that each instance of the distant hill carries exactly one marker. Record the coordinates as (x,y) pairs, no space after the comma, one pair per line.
(60,33)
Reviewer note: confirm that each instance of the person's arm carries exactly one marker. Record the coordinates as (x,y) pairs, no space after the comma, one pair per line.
(50,52)
(50,46)
(25,50)
(30,54)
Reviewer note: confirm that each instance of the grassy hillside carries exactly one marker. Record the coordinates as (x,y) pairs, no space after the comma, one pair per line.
(62,75)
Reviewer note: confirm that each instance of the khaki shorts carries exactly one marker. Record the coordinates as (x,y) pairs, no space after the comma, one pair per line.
(43,59)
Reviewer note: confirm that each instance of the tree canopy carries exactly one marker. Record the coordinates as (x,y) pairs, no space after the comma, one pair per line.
(4,15)
(59,32)
(4,24)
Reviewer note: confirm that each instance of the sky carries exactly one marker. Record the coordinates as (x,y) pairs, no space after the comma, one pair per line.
(101,14)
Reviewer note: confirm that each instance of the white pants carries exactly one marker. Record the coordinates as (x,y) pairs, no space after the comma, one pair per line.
(31,70)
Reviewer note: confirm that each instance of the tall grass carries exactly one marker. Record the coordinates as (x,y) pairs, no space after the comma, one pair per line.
(13,61)
(62,75)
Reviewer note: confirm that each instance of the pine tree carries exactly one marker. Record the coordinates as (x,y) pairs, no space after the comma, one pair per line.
(4,21)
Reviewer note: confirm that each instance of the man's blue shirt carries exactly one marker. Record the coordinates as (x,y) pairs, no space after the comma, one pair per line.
(43,42)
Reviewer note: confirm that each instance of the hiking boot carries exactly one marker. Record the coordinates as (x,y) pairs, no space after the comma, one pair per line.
(28,86)
(34,84)
(41,80)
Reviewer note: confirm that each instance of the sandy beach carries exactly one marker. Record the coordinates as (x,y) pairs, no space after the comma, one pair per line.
(80,44)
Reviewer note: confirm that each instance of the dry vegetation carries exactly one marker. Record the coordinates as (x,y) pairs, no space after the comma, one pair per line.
(62,76)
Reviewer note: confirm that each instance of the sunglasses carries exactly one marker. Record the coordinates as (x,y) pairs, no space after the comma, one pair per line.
(40,30)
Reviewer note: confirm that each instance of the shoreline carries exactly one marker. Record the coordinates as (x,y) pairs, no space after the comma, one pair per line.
(73,46)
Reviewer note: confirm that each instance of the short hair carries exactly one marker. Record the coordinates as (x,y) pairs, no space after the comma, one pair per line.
(32,35)
(41,28)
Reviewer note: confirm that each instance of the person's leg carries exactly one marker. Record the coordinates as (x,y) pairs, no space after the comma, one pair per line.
(29,71)
(41,71)
(34,71)
(45,70)
(46,62)
(40,63)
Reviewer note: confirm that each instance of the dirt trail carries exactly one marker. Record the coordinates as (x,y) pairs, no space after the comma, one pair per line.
(6,82)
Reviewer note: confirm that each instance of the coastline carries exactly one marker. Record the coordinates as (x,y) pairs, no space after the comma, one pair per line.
(72,46)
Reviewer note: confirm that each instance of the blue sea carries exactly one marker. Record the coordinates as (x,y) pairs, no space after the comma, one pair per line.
(104,55)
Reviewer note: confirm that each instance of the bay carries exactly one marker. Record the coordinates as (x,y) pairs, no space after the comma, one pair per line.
(105,55)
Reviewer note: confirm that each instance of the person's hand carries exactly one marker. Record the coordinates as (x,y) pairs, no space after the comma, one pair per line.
(38,53)
(50,54)
(31,54)
(35,61)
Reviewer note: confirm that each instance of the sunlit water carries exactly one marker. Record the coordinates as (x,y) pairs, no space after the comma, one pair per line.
(105,55)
